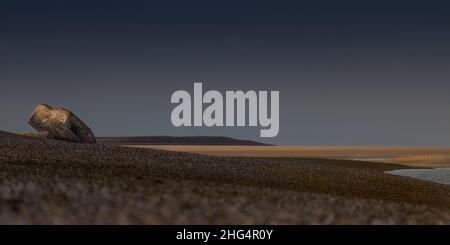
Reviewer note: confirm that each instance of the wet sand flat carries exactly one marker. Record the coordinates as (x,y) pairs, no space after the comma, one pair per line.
(429,157)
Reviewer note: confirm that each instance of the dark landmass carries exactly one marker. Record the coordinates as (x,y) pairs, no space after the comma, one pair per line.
(169,140)
(46,181)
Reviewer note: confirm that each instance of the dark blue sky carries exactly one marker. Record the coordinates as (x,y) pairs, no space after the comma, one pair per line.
(348,72)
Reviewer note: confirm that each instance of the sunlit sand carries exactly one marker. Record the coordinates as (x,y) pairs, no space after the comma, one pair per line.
(428,157)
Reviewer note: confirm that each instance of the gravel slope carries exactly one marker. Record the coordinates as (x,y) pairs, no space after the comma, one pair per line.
(53,182)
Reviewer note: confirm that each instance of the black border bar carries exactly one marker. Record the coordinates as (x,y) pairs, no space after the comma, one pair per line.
(145,234)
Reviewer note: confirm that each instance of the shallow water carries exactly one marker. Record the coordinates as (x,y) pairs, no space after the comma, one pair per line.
(437,175)
(369,158)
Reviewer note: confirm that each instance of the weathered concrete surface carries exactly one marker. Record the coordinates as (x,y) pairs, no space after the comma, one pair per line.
(60,124)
